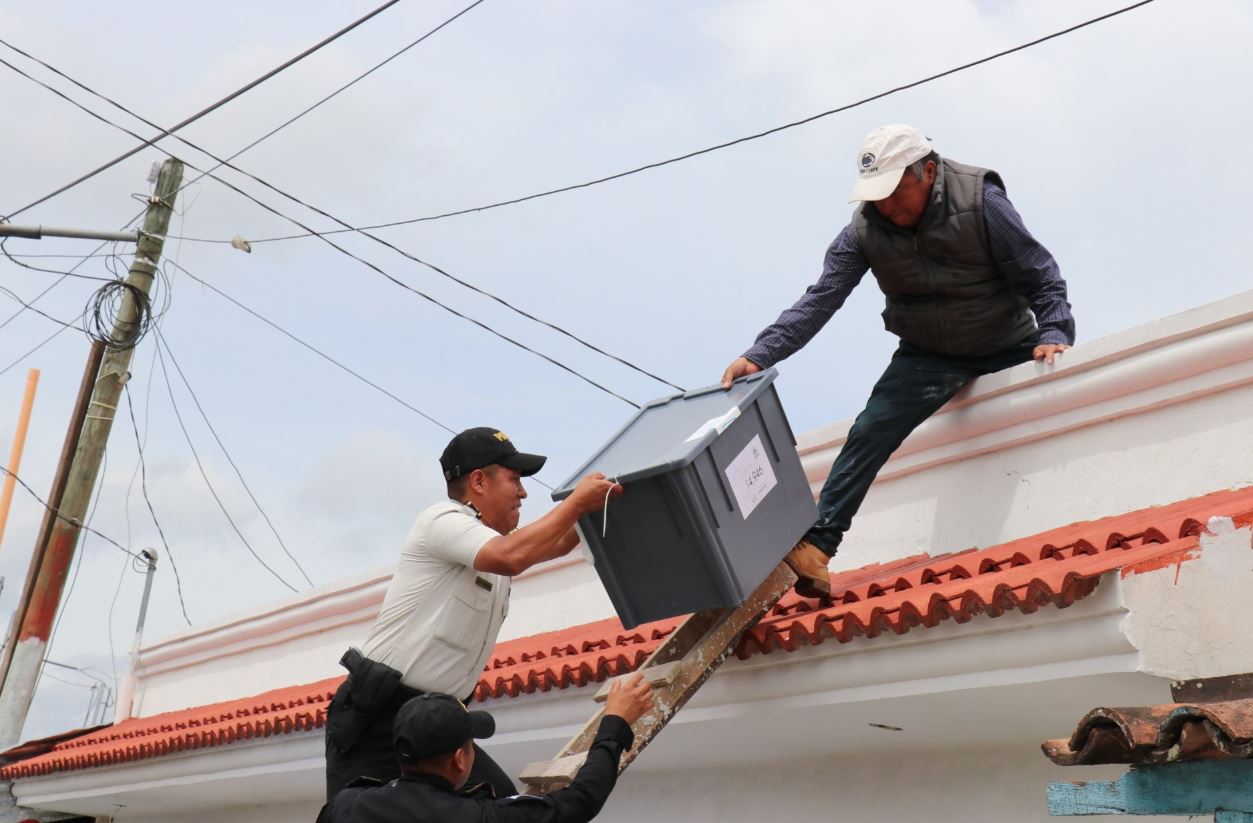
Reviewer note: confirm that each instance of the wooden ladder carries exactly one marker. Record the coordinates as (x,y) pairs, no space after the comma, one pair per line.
(678,667)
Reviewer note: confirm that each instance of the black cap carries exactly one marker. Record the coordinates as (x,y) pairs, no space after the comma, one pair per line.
(483,446)
(433,724)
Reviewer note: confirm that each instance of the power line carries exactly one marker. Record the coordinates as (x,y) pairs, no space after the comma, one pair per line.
(13,258)
(209,484)
(397,281)
(78,565)
(143,486)
(290,120)
(328,358)
(215,106)
(113,603)
(65,274)
(62,679)
(162,343)
(31,305)
(72,521)
(62,257)
(709,149)
(45,342)
(346,226)
(12,295)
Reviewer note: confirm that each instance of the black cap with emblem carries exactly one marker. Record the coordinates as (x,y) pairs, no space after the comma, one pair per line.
(484,446)
(433,724)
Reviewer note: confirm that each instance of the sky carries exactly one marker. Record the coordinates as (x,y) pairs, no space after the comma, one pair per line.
(1122,145)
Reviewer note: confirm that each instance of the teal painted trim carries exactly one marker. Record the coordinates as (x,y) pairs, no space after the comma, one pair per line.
(1233,817)
(1178,788)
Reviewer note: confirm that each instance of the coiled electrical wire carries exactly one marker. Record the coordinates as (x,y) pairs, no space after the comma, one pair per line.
(103,315)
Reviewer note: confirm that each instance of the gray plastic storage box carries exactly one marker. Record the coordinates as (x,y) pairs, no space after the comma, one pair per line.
(715,497)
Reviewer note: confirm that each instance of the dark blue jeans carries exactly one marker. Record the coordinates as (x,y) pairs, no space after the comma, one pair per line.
(914,386)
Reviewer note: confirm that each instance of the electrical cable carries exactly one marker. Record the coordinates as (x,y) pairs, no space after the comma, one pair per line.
(102,317)
(347,227)
(347,253)
(70,520)
(328,358)
(719,146)
(285,123)
(78,565)
(45,342)
(13,258)
(209,484)
(99,686)
(143,485)
(62,679)
(209,109)
(130,486)
(12,295)
(54,284)
(121,578)
(163,344)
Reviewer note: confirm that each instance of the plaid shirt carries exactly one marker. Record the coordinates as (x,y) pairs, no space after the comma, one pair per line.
(1028,266)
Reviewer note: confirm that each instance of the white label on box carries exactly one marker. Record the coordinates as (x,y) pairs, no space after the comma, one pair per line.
(715,424)
(751,476)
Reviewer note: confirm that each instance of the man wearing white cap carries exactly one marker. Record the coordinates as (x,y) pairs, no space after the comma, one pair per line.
(969,292)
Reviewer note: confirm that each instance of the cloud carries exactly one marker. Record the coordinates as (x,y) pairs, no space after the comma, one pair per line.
(1119,144)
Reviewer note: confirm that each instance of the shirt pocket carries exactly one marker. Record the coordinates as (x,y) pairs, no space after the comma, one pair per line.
(464,620)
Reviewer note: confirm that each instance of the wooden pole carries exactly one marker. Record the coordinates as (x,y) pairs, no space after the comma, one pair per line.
(72,432)
(30,641)
(19,443)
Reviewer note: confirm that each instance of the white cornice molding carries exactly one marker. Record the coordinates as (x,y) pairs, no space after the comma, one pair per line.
(355,601)
(256,761)
(1168,361)
(1051,645)
(1173,360)
(321,610)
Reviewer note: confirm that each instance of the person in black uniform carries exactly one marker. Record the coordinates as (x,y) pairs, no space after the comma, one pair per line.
(434,737)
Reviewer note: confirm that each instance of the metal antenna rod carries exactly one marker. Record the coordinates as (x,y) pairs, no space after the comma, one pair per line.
(150,556)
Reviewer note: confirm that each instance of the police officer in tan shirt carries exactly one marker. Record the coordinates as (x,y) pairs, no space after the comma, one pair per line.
(446,601)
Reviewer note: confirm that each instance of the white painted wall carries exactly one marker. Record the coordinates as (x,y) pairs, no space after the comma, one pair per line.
(1149,416)
(991,785)
(300,639)
(1190,620)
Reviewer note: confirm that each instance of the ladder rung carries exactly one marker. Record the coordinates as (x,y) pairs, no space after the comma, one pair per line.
(691,653)
(658,676)
(554,772)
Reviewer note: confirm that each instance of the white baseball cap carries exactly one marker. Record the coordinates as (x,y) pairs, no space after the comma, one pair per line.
(884,156)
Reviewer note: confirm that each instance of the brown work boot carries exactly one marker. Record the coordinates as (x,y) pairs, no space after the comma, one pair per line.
(810,564)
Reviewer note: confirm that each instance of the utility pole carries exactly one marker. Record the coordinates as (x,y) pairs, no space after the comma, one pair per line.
(35,614)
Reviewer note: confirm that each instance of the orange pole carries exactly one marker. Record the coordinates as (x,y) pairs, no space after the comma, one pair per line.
(19,442)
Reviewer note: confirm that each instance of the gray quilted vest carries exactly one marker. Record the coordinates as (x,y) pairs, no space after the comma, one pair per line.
(944,291)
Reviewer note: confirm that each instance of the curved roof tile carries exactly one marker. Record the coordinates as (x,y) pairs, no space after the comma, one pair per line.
(1055,568)
(1158,734)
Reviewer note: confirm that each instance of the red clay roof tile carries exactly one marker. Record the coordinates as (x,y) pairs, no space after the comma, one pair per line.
(1164,733)
(1057,567)
(295,708)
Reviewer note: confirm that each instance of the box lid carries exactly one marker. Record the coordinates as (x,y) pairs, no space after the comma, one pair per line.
(668,433)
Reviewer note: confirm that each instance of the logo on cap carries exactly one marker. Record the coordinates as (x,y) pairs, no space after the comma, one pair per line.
(867,160)
(501,436)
